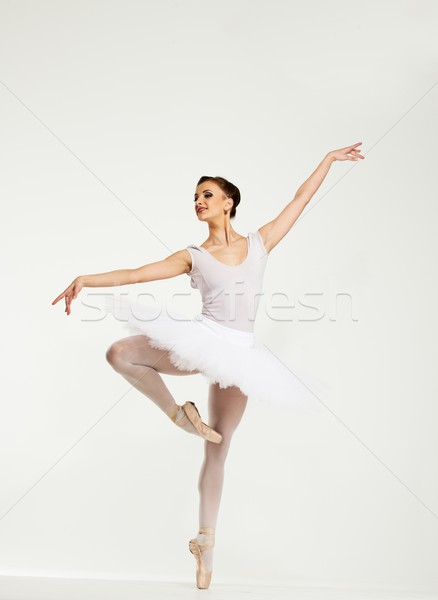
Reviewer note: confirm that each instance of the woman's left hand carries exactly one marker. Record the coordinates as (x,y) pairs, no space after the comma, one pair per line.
(348,153)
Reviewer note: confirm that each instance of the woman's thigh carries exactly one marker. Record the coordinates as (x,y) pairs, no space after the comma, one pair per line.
(137,350)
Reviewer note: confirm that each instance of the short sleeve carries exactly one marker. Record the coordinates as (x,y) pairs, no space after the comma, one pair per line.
(260,242)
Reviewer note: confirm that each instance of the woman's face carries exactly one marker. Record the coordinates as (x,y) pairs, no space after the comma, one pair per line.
(210,201)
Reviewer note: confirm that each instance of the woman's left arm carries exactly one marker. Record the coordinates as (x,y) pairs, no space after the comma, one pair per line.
(275,230)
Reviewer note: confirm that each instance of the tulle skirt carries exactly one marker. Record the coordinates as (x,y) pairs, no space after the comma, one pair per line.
(226,356)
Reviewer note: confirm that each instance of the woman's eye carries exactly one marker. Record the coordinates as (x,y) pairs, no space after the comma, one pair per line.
(206,195)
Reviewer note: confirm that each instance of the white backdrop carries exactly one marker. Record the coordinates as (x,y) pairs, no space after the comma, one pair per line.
(111,111)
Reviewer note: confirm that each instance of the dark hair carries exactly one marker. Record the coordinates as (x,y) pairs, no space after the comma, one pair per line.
(228,188)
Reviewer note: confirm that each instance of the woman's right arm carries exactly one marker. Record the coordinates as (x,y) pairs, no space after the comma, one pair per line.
(176,264)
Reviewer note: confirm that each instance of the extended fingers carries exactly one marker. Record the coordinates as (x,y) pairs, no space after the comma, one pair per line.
(356,155)
(68,300)
(58,298)
(67,304)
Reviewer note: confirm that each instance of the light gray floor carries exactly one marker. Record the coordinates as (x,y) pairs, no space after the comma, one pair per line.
(43,588)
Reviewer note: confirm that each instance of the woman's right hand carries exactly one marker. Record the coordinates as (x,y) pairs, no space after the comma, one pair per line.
(70,294)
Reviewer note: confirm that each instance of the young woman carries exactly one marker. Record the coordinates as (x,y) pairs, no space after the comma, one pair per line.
(219,342)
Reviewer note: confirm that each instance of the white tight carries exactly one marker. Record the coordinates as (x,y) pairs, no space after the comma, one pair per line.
(141,365)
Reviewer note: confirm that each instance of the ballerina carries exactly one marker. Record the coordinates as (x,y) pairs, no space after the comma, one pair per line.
(219,342)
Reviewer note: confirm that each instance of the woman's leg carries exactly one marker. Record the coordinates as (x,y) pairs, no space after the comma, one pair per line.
(140,364)
(225,410)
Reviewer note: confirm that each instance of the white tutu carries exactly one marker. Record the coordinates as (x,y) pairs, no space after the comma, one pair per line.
(224,355)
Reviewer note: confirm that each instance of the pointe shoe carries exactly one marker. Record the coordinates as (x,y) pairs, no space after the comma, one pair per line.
(203,575)
(191,414)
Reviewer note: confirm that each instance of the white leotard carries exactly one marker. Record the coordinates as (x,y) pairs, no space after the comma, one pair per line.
(230,293)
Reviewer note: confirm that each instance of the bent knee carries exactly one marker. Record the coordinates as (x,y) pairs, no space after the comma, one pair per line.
(116,354)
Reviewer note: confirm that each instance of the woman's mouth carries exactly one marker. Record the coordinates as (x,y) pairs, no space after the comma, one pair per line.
(201,209)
